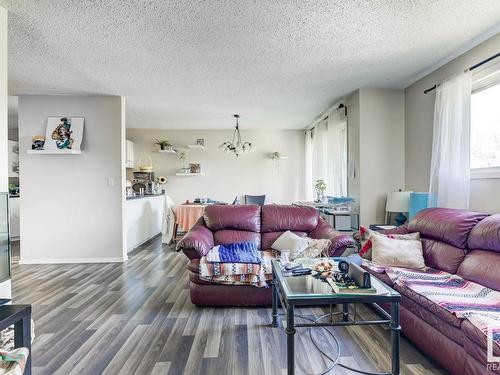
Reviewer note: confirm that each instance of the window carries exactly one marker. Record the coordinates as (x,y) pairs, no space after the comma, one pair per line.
(485,132)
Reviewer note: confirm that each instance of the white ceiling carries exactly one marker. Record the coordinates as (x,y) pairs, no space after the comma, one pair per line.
(192,64)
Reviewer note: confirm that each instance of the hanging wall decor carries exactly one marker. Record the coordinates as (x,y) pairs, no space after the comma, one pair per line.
(64,133)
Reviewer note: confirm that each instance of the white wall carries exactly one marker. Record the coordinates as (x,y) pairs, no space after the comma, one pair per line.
(70,210)
(376,148)
(419,109)
(5,287)
(381,150)
(225,176)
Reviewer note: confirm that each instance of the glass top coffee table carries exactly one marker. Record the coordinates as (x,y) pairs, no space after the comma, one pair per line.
(307,290)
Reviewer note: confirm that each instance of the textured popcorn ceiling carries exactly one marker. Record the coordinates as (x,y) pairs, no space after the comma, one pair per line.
(192,64)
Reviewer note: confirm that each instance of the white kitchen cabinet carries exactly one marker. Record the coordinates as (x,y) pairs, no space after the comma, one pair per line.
(129,160)
(144,219)
(14,218)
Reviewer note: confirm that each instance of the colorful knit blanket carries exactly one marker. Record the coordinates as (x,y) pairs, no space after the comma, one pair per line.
(466,299)
(238,273)
(13,362)
(239,252)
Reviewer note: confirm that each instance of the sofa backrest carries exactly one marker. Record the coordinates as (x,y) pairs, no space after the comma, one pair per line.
(482,264)
(231,224)
(444,233)
(277,219)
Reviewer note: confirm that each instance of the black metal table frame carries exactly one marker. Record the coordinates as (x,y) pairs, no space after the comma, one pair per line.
(392,320)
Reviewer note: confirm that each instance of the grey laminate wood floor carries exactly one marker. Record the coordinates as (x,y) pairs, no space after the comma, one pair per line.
(136,318)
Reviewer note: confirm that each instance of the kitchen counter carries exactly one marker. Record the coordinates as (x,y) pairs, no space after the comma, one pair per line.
(144,196)
(144,218)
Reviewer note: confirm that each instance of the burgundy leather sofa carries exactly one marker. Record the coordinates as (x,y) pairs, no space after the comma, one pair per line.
(460,242)
(262,225)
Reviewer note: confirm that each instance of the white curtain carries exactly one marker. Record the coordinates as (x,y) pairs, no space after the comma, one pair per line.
(320,165)
(337,152)
(309,194)
(450,163)
(328,159)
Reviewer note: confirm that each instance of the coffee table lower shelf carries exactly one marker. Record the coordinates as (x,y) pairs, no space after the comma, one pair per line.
(289,302)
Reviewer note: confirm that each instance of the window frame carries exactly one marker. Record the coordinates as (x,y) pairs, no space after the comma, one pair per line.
(488,78)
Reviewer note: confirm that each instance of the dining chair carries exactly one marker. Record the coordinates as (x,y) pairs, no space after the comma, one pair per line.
(259,200)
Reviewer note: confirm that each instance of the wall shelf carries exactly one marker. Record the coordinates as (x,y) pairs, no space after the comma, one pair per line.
(189,174)
(55,152)
(171,151)
(201,147)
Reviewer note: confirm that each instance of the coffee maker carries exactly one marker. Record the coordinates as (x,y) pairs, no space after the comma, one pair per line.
(145,181)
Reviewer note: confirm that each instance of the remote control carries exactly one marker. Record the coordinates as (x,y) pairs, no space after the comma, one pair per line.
(289,267)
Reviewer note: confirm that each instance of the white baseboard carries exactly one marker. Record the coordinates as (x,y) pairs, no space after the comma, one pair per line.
(143,242)
(68,261)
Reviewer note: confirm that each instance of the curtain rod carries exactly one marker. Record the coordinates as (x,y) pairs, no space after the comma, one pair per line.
(341,105)
(471,68)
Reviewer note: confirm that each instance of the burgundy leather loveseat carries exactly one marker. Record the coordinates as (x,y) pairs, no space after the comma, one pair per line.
(460,242)
(262,225)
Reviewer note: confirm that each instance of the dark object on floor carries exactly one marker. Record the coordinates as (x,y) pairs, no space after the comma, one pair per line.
(259,200)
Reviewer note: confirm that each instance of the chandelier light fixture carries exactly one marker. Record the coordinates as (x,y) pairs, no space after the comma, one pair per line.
(237,146)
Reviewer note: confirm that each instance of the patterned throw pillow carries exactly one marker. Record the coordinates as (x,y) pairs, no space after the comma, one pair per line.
(390,252)
(315,249)
(364,238)
(291,242)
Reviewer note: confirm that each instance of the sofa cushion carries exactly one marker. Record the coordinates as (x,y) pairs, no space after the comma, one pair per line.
(478,337)
(481,267)
(475,344)
(427,304)
(227,236)
(277,218)
(269,237)
(486,234)
(445,322)
(446,225)
(229,295)
(441,255)
(397,253)
(449,330)
(245,217)
(447,353)
(478,366)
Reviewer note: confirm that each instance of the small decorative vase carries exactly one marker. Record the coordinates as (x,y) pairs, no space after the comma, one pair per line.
(319,196)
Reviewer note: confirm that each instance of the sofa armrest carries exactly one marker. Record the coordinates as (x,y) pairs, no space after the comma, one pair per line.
(340,241)
(198,241)
(403,229)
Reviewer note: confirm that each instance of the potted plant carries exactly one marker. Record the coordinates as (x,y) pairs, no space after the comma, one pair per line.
(320,187)
(275,155)
(163,143)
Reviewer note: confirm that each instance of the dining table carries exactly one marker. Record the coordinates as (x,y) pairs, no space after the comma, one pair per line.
(187,214)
